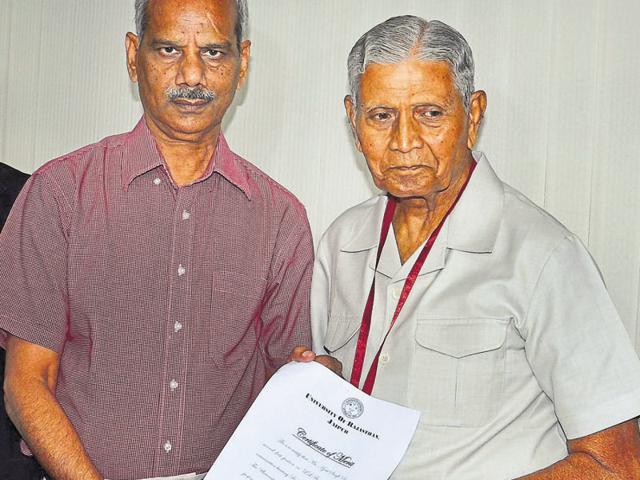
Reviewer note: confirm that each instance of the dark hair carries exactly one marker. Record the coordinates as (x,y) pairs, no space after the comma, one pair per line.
(142,18)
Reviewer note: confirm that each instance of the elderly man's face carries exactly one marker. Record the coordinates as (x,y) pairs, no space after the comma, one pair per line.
(412,128)
(188,66)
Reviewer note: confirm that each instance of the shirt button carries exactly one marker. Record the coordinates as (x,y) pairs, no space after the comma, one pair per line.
(181,270)
(384,358)
(186,215)
(177,327)
(167,446)
(173,385)
(157,181)
(395,293)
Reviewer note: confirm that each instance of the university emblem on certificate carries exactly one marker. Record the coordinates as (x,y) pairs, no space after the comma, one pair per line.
(352,408)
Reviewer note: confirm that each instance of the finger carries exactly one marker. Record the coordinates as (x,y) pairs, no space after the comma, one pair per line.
(301,354)
(331,363)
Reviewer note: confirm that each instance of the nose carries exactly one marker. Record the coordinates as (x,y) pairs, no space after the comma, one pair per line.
(191,70)
(406,135)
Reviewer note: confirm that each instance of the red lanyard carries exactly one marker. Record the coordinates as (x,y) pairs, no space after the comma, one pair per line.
(365,326)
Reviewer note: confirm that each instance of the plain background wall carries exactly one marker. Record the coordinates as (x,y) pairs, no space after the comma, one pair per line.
(563,122)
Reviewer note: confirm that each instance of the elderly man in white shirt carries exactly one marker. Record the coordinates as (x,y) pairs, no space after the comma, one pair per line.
(454,294)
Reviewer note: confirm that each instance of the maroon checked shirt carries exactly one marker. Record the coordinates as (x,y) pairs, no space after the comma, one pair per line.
(169,306)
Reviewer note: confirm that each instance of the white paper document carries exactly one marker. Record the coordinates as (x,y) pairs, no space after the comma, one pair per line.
(309,424)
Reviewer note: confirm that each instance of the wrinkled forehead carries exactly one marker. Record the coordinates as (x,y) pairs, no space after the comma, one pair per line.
(408,80)
(184,18)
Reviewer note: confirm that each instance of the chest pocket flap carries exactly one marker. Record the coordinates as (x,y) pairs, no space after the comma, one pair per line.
(462,337)
(342,329)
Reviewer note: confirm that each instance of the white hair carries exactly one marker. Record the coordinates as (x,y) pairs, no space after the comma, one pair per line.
(142,18)
(401,38)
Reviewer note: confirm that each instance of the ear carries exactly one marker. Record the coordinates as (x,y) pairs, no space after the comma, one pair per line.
(131,44)
(352,113)
(245,54)
(477,106)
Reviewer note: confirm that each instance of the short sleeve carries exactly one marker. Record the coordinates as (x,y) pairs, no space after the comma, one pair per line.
(578,347)
(33,251)
(285,316)
(320,288)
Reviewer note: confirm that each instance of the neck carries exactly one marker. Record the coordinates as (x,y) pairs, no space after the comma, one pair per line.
(416,218)
(186,158)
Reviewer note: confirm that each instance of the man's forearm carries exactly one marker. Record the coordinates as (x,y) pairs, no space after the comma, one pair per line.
(613,453)
(578,466)
(47,430)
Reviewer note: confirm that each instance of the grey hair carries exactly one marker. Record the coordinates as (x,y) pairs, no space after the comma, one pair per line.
(142,18)
(405,37)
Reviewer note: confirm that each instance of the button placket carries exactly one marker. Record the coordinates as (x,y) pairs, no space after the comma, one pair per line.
(178,320)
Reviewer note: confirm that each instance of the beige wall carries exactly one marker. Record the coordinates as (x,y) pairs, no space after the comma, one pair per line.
(562,77)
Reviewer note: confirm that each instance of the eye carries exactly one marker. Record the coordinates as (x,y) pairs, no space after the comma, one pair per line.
(168,51)
(430,113)
(213,54)
(380,116)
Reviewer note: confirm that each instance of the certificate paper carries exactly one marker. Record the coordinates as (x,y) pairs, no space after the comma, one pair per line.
(309,424)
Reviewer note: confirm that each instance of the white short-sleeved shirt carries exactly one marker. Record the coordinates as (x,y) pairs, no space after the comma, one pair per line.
(509,343)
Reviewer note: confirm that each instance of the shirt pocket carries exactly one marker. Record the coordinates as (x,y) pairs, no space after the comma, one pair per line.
(234,322)
(341,340)
(458,371)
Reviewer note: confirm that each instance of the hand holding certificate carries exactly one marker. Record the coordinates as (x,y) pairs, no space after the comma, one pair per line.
(308,423)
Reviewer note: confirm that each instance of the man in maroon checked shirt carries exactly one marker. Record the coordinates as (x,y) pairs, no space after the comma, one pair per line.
(150,283)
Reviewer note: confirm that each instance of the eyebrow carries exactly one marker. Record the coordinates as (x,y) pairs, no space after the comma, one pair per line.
(217,46)
(156,42)
(447,103)
(368,108)
(160,42)
(375,106)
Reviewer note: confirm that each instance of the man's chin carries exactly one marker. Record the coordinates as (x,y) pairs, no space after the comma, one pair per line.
(187,131)
(407,186)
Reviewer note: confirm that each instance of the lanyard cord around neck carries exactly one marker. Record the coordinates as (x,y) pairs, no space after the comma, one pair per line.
(365,326)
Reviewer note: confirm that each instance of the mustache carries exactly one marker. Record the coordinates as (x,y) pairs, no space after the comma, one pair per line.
(195,93)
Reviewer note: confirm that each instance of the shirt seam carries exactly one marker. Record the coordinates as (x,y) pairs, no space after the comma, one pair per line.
(534,290)
(250,168)
(293,238)
(64,205)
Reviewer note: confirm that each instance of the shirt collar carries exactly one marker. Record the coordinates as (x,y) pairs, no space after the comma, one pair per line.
(229,165)
(472,226)
(390,258)
(367,232)
(475,222)
(141,155)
